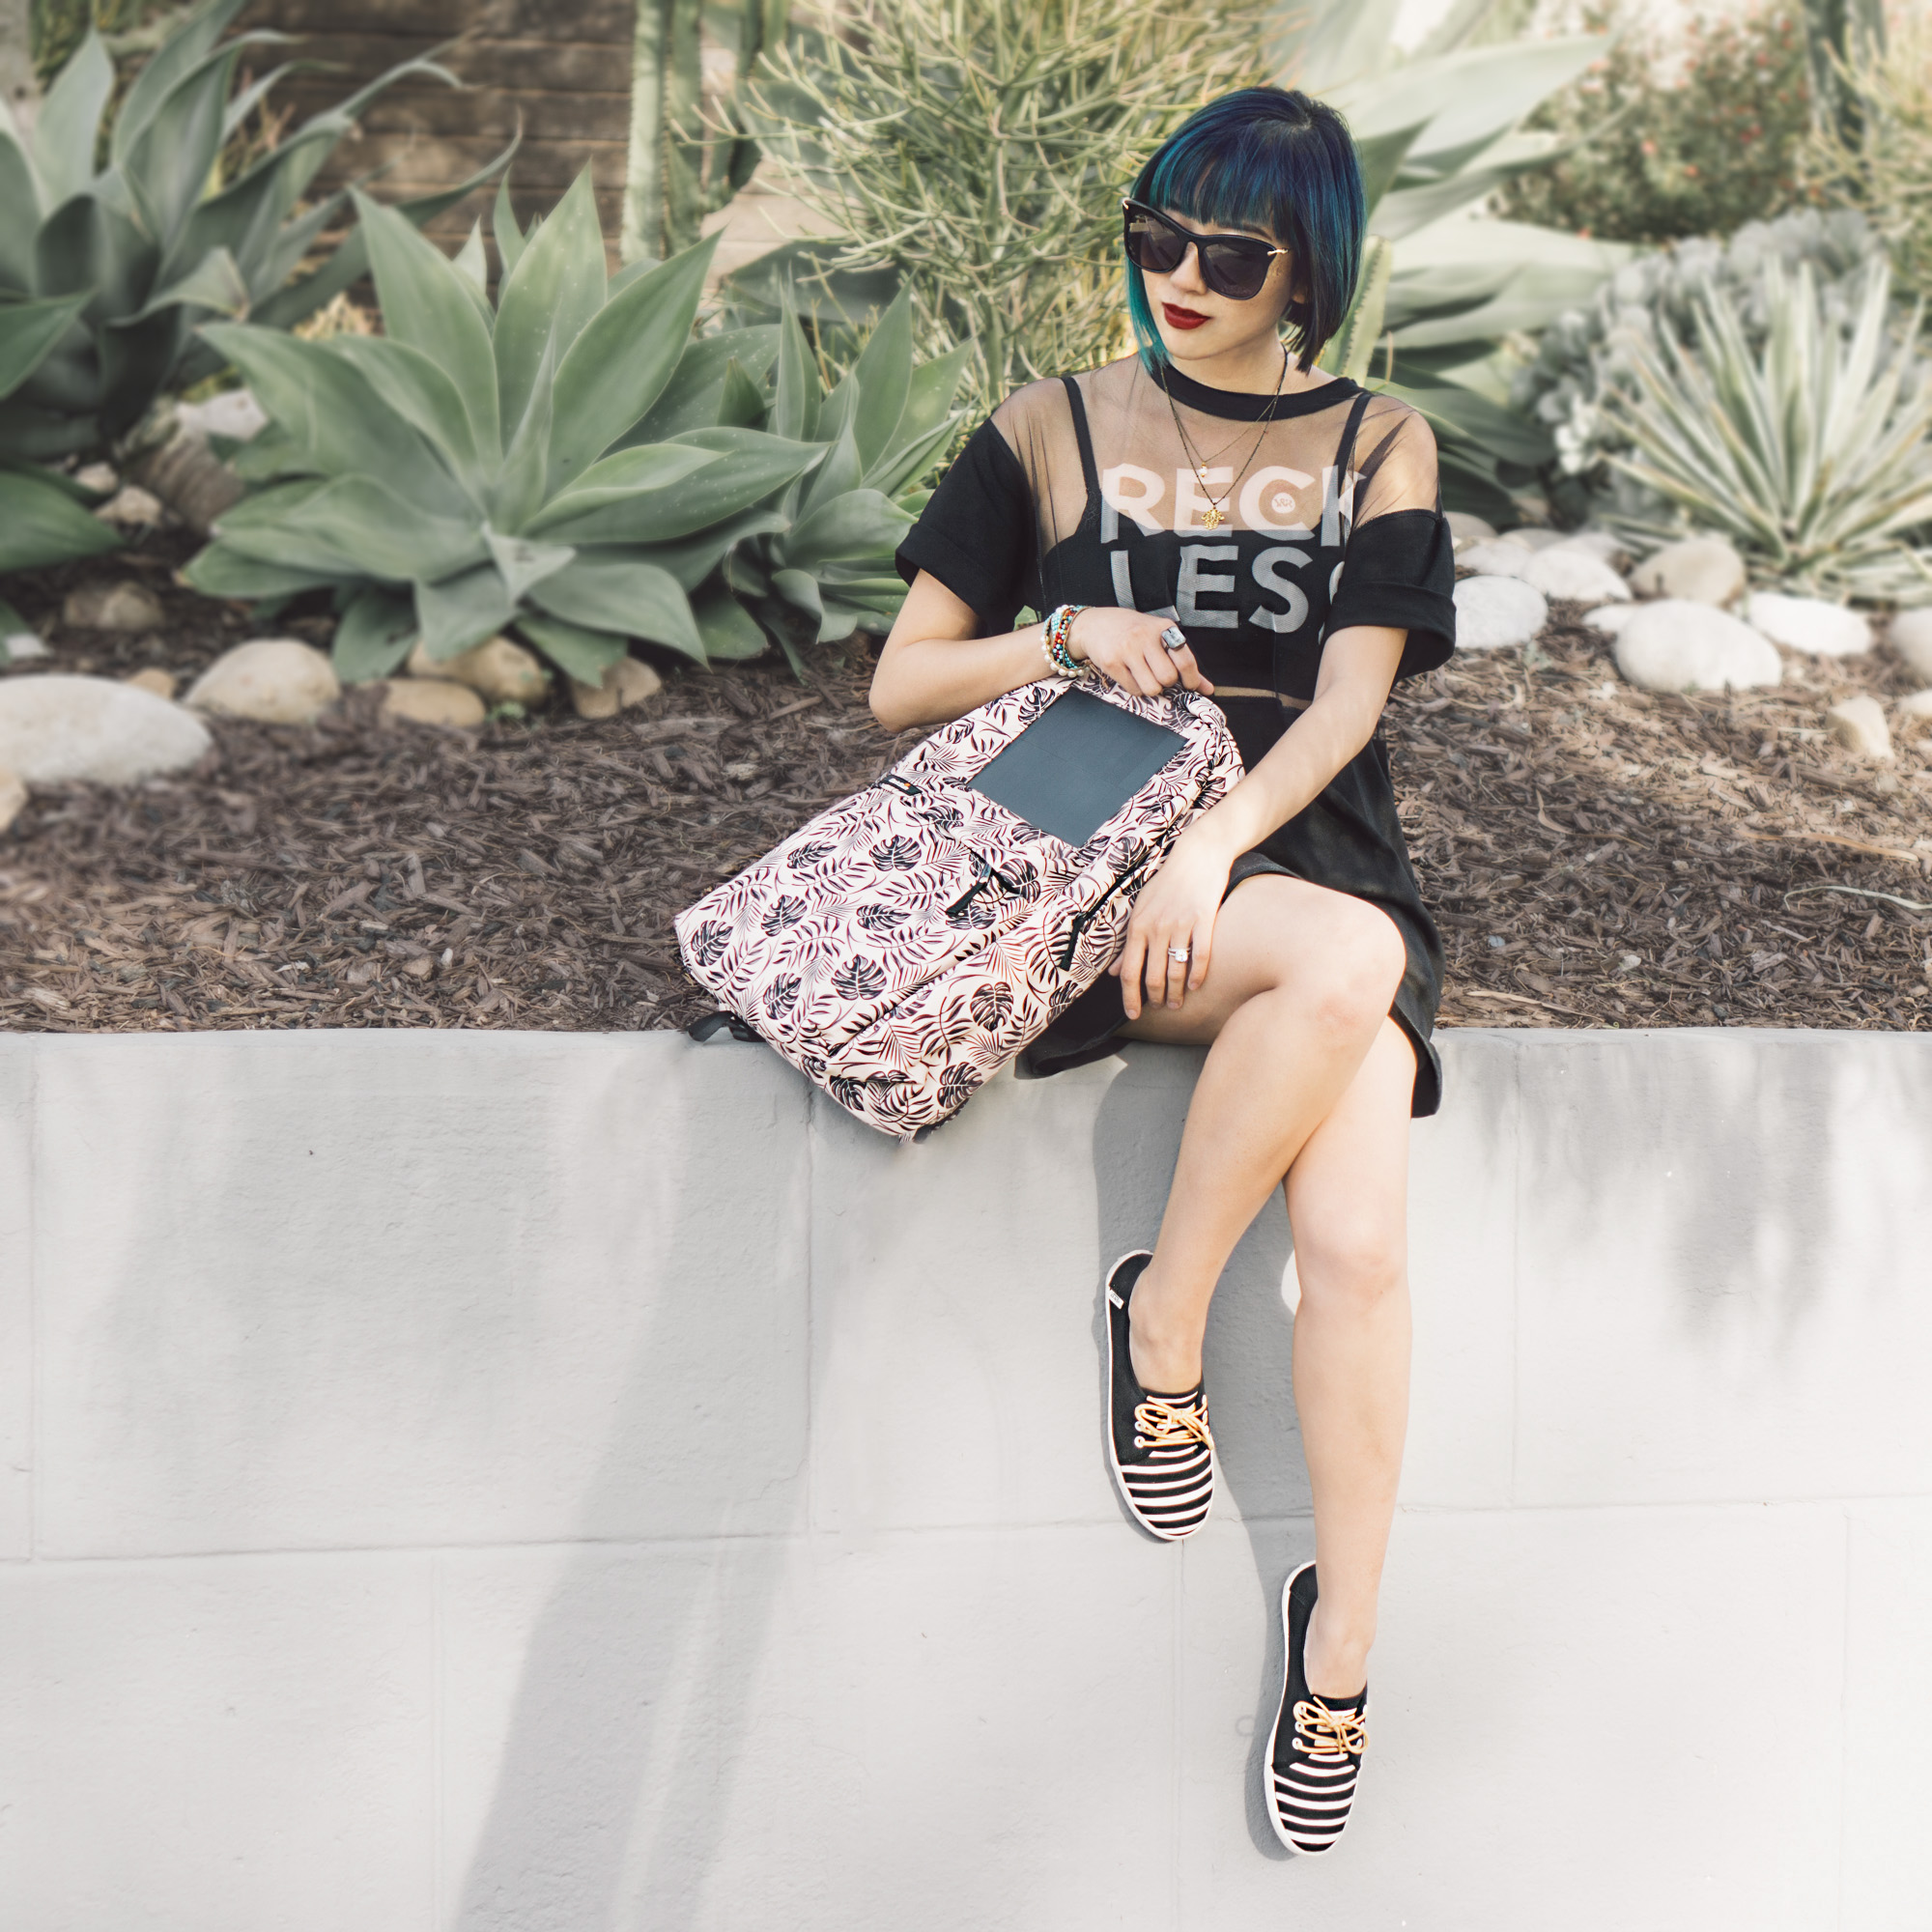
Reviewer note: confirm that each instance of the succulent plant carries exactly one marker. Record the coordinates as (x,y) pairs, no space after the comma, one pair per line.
(131,254)
(568,462)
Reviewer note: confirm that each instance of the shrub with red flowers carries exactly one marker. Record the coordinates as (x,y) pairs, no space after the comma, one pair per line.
(1694,138)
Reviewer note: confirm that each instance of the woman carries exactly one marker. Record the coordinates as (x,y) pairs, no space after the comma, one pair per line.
(1185,515)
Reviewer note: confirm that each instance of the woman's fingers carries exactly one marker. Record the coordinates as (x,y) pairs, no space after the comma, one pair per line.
(1133,957)
(1201,943)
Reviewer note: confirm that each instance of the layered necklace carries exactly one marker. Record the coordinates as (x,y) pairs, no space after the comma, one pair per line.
(1213,517)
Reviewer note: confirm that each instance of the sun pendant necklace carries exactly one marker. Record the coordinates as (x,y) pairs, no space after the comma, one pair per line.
(1212,516)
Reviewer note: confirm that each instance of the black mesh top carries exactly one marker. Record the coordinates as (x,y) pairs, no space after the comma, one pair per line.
(1317,510)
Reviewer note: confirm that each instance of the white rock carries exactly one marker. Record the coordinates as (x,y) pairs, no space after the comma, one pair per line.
(1534,536)
(1564,571)
(1858,724)
(273,680)
(1917,705)
(432,700)
(13,798)
(132,507)
(1808,624)
(22,647)
(153,678)
(1699,570)
(1910,634)
(1463,528)
(234,414)
(627,682)
(112,607)
(1603,545)
(1495,612)
(1501,559)
(1612,617)
(101,476)
(1678,644)
(499,671)
(58,727)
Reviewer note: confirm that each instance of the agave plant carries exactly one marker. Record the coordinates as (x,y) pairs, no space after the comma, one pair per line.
(567,463)
(139,250)
(1813,454)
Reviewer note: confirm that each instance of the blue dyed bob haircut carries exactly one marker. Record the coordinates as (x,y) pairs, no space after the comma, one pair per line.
(1273,159)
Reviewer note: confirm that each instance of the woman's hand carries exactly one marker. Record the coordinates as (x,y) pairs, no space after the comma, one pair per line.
(1126,645)
(1176,912)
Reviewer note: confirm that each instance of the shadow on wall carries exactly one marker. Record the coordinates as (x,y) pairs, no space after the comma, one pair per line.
(1742,1167)
(613,1783)
(1248,1362)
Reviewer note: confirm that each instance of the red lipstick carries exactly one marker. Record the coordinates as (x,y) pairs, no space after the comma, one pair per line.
(1181,318)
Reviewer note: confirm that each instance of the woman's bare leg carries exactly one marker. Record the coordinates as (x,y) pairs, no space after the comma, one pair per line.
(1298,989)
(1347,1205)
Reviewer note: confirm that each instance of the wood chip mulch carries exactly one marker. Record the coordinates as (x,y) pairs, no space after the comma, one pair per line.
(1596,856)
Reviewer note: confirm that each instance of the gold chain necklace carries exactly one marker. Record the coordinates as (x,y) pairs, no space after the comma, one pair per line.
(1212,518)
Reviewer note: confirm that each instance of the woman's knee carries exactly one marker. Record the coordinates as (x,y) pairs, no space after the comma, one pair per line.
(1348,978)
(1354,1261)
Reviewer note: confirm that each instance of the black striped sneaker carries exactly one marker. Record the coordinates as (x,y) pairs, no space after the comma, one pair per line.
(1159,1446)
(1315,1751)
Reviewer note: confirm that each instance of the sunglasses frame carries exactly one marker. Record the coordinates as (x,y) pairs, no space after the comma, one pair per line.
(1237,244)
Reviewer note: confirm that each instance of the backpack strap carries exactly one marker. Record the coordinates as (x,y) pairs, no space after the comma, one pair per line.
(713,1024)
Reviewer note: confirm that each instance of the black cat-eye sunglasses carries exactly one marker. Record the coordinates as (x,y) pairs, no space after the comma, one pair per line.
(1233,266)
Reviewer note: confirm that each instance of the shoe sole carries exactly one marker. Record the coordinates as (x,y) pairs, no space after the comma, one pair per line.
(1139,1522)
(1274,1731)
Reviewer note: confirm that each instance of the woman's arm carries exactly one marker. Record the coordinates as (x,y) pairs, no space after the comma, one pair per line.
(1178,907)
(934,668)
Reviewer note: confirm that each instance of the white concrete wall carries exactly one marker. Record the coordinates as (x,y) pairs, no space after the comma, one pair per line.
(543,1484)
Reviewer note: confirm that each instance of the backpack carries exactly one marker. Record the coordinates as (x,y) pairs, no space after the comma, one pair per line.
(903,946)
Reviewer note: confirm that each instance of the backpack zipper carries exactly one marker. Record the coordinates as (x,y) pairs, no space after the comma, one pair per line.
(1082,921)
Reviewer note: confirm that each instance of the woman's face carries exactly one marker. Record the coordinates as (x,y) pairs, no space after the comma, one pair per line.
(1195,324)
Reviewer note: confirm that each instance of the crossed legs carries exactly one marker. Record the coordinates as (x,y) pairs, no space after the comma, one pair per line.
(1306,1078)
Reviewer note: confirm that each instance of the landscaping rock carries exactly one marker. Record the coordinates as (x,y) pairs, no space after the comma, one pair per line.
(161,682)
(1534,536)
(1679,644)
(1858,724)
(1603,545)
(57,727)
(1917,705)
(1612,617)
(1501,559)
(273,680)
(23,647)
(234,414)
(1910,634)
(132,508)
(1562,571)
(1493,612)
(1699,570)
(13,798)
(1808,624)
(499,671)
(101,476)
(1463,528)
(626,683)
(112,607)
(432,700)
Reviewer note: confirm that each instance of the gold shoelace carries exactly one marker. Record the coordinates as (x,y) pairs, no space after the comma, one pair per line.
(1329,1733)
(1159,1425)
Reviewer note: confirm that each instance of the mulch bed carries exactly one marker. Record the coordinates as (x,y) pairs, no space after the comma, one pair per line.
(1596,856)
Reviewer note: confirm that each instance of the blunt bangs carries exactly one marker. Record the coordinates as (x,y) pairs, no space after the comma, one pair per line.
(1272,158)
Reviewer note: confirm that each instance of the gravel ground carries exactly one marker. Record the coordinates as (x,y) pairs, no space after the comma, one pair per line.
(1596,856)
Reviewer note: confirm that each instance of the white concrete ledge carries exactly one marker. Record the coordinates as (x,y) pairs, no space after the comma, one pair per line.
(532,1483)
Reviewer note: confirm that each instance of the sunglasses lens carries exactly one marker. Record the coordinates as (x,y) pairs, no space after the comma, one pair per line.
(1233,271)
(1151,247)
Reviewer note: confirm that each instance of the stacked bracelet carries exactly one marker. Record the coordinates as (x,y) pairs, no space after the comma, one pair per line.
(1054,640)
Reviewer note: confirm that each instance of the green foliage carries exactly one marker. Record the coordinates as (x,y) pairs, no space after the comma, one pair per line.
(976,151)
(1812,453)
(1584,354)
(569,463)
(1877,152)
(1439,133)
(140,248)
(680,170)
(1702,153)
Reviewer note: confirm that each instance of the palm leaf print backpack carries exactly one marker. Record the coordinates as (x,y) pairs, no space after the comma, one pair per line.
(903,946)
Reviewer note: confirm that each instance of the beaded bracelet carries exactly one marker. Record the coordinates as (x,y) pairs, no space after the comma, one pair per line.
(1054,640)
